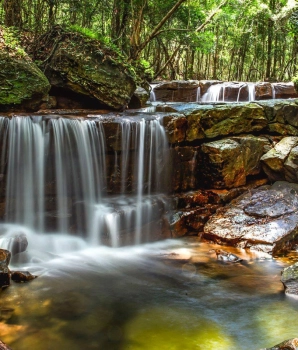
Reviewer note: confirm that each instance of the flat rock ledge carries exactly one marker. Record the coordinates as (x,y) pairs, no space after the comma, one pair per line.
(264,219)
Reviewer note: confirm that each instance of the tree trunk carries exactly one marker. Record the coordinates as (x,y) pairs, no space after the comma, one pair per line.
(13,16)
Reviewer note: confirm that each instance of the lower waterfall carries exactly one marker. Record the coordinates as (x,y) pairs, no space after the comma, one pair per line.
(101,178)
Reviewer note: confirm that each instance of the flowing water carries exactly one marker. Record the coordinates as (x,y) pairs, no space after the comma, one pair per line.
(173,294)
(222,92)
(72,184)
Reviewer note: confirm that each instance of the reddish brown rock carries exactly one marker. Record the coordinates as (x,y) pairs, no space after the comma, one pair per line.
(184,168)
(284,90)
(177,90)
(264,91)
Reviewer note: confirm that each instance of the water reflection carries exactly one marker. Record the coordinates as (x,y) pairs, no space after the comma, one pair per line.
(166,295)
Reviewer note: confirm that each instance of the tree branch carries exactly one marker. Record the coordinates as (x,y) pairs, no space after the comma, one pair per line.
(210,17)
(154,32)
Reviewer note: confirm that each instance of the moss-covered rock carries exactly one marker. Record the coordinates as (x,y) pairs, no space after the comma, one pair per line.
(23,85)
(78,64)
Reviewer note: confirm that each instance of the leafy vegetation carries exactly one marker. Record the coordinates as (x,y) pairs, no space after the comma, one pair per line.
(177,39)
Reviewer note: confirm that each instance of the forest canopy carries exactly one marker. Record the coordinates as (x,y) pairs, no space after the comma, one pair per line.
(242,40)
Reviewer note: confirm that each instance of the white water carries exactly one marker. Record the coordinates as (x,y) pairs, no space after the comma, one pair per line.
(152,94)
(57,178)
(216,92)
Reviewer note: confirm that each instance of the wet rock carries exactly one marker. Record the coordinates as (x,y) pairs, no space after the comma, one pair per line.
(177,90)
(205,85)
(227,195)
(281,162)
(284,90)
(184,173)
(289,278)
(197,198)
(4,270)
(263,219)
(235,92)
(226,163)
(191,221)
(83,68)
(139,98)
(22,276)
(176,126)
(290,344)
(19,244)
(23,85)
(264,91)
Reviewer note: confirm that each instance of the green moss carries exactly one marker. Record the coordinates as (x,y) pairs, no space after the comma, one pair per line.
(21,80)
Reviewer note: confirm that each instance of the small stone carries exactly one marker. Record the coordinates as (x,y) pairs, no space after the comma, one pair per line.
(22,276)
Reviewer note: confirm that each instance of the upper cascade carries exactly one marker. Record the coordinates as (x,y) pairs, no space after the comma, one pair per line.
(218,91)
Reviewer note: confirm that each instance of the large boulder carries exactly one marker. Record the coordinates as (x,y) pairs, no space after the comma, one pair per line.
(264,219)
(23,85)
(83,69)
(226,163)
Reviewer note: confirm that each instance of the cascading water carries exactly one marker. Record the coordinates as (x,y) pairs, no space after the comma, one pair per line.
(223,92)
(61,173)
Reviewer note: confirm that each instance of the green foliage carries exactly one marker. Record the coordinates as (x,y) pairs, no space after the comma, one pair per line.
(12,42)
(147,68)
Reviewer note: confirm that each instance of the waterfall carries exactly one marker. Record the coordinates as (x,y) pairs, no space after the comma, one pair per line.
(152,93)
(222,92)
(62,176)
(214,93)
(198,96)
(251,92)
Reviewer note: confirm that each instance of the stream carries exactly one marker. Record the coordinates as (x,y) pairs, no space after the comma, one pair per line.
(171,294)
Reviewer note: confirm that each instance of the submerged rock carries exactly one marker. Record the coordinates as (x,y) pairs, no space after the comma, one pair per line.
(290,344)
(224,256)
(23,85)
(264,219)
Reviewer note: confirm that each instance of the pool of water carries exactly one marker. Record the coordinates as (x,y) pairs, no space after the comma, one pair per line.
(169,295)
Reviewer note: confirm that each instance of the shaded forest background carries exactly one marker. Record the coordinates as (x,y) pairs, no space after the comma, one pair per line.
(240,40)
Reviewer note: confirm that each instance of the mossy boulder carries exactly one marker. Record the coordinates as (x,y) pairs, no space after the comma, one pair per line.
(86,69)
(23,85)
